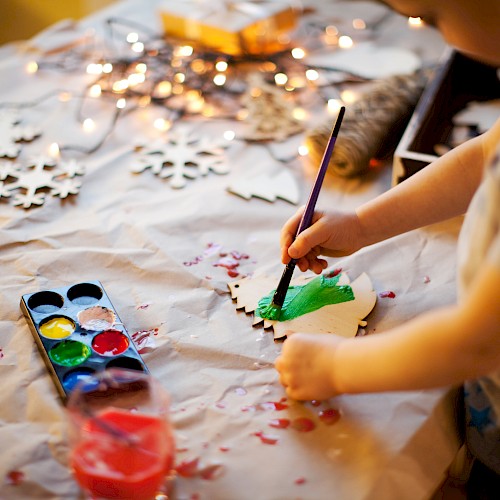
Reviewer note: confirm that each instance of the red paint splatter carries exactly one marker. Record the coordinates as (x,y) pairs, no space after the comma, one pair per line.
(195,496)
(220,404)
(143,306)
(268,405)
(143,340)
(211,471)
(300,480)
(14,477)
(181,450)
(238,256)
(387,295)
(188,468)
(224,449)
(427,279)
(303,424)
(194,261)
(315,402)
(266,438)
(1,353)
(329,416)
(211,249)
(233,274)
(334,273)
(279,423)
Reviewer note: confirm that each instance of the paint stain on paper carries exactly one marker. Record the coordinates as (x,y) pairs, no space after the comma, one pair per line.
(267,438)
(144,340)
(389,294)
(14,477)
(279,423)
(227,260)
(303,424)
(300,300)
(329,416)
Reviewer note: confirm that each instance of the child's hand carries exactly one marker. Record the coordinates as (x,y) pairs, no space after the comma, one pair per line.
(306,366)
(333,234)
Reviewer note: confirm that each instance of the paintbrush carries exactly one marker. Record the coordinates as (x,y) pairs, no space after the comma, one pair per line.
(274,308)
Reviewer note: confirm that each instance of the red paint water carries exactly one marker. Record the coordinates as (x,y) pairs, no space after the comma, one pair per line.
(329,416)
(266,438)
(279,423)
(303,424)
(113,468)
(110,343)
(14,477)
(388,294)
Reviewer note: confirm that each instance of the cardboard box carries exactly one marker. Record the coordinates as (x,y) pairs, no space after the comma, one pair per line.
(235,28)
(458,81)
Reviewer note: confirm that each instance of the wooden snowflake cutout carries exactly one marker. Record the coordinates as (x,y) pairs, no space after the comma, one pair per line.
(183,156)
(266,187)
(42,174)
(11,133)
(341,314)
(270,112)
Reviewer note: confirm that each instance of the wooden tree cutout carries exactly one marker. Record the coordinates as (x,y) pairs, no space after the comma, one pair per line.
(342,319)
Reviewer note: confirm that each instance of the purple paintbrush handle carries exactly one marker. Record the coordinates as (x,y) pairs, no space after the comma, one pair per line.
(307,216)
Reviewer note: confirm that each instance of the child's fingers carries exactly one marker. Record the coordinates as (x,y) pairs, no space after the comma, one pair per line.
(304,243)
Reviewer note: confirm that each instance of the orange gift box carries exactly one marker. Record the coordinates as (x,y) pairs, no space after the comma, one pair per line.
(230,27)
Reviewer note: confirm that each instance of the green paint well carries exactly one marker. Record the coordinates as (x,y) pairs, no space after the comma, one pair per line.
(300,300)
(69,353)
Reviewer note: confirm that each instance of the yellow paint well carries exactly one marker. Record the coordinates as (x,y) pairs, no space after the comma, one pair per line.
(57,328)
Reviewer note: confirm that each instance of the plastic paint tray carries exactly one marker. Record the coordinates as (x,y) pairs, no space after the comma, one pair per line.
(78,333)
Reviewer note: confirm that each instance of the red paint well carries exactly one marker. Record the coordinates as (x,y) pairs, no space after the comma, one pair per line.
(110,343)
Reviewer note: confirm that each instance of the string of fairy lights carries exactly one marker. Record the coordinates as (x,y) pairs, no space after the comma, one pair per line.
(186,79)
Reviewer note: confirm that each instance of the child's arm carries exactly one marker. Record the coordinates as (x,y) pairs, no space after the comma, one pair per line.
(441,190)
(439,348)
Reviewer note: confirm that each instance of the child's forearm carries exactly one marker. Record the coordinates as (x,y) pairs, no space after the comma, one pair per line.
(443,347)
(438,192)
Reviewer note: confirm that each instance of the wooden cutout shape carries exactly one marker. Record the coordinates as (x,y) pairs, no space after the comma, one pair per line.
(342,319)
(283,186)
(367,60)
(481,114)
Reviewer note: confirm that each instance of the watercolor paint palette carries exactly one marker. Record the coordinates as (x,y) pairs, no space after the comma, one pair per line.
(78,333)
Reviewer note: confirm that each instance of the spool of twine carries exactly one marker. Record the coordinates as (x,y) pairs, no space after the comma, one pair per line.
(372,126)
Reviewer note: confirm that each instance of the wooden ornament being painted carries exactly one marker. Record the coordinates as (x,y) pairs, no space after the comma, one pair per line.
(342,319)
(266,187)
